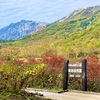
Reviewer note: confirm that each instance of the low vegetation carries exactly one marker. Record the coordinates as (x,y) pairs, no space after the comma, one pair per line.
(16,74)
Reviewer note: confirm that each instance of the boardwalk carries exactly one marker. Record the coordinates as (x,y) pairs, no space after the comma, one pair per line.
(67,95)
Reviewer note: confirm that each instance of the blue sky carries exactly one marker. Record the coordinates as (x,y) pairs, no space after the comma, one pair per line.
(12,11)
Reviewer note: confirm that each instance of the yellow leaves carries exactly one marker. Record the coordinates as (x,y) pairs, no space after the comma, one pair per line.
(36,69)
(60,76)
(33,72)
(50,78)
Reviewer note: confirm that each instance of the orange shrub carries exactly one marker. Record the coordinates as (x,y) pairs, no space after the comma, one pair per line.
(93,67)
(53,61)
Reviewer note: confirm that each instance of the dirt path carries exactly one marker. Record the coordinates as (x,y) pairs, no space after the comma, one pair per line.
(66,95)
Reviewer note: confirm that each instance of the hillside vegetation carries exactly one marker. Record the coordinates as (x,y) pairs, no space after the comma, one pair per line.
(73,36)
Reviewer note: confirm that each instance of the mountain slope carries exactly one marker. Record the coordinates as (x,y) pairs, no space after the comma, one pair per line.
(77,21)
(20,29)
(90,11)
(71,37)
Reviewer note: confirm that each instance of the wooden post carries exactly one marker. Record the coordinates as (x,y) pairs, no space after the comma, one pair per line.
(84,75)
(65,75)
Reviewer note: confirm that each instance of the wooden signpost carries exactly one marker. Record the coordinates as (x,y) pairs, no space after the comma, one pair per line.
(77,71)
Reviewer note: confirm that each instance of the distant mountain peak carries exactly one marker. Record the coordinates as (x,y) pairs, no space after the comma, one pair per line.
(82,12)
(17,30)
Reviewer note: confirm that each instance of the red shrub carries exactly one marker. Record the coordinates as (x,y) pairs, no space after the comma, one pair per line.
(18,61)
(1,61)
(53,61)
(94,67)
(32,61)
(24,62)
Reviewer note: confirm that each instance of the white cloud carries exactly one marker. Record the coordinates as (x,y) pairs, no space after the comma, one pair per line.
(39,10)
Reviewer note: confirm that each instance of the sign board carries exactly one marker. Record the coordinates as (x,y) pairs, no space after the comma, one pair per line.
(75,75)
(75,65)
(75,70)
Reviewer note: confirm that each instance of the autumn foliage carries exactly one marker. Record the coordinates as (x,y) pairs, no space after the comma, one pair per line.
(93,67)
(25,62)
(53,61)
(43,72)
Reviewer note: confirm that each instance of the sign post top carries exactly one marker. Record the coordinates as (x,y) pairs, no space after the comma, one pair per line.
(75,65)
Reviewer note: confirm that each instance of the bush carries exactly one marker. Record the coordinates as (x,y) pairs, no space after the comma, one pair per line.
(14,77)
(45,72)
(53,61)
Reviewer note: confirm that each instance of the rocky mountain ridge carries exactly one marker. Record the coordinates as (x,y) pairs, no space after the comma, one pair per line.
(20,29)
